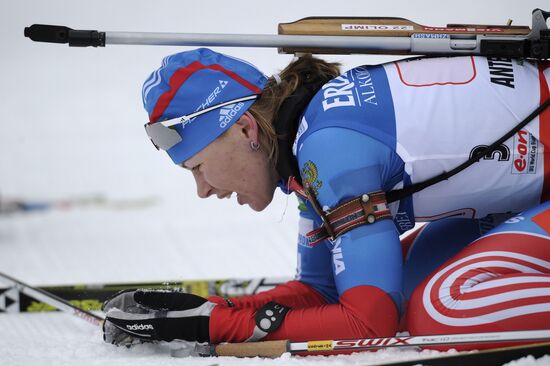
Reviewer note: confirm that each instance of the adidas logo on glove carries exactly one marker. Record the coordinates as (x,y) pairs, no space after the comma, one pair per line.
(140,327)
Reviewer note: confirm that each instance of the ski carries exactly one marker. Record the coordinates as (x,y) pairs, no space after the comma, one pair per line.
(19,288)
(340,35)
(490,357)
(91,296)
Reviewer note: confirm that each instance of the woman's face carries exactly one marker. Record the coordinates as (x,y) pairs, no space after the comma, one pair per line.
(229,165)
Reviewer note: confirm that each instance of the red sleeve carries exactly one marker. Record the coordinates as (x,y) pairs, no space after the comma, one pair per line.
(363,311)
(293,294)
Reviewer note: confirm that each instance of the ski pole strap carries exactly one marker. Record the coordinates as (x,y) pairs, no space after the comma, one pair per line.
(362,210)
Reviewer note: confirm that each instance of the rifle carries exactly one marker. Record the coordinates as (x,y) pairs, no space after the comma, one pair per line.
(340,35)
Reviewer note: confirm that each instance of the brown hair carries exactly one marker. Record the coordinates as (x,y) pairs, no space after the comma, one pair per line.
(264,110)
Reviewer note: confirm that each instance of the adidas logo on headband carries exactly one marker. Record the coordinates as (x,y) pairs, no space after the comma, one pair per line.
(228,112)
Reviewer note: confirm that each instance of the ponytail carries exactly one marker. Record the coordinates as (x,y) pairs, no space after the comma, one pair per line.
(304,69)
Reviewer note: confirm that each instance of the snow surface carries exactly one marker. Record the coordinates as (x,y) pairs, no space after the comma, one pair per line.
(71,127)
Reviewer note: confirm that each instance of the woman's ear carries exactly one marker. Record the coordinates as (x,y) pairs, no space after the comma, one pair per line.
(248,126)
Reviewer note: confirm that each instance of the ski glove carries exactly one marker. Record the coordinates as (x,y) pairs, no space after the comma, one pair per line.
(136,316)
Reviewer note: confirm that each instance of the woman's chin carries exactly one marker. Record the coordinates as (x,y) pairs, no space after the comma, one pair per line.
(258,207)
(259,204)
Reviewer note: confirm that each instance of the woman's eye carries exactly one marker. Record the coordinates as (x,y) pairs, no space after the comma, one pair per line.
(196,168)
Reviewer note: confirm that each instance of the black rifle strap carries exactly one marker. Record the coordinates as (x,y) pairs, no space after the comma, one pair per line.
(398,194)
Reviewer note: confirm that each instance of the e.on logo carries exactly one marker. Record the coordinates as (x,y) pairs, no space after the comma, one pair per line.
(524,153)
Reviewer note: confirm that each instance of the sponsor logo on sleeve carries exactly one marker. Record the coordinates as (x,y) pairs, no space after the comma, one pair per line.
(302,128)
(338,93)
(366,86)
(338,257)
(304,227)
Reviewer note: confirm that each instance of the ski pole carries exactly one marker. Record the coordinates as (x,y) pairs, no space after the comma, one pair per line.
(277,348)
(53,300)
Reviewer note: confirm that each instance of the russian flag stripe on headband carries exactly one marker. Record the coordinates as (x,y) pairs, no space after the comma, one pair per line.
(194,81)
(181,75)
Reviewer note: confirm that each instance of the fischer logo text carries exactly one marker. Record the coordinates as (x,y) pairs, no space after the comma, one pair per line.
(209,99)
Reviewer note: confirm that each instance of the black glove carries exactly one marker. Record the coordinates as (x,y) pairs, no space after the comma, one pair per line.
(135,316)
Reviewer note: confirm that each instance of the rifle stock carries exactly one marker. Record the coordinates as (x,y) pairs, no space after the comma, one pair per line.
(386,27)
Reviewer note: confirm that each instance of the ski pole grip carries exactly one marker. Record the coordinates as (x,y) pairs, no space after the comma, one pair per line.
(270,349)
(62,34)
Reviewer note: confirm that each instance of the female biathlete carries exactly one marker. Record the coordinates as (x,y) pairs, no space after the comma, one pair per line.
(347,145)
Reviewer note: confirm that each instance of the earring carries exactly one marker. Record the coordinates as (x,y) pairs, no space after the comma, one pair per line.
(254,146)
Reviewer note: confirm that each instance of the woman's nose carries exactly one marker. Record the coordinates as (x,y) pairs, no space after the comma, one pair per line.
(204,190)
